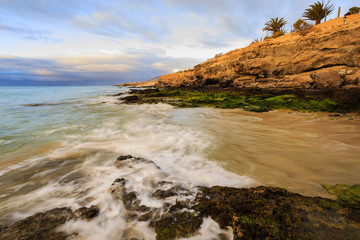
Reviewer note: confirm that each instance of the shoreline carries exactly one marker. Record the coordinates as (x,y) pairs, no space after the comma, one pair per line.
(235,212)
(258,212)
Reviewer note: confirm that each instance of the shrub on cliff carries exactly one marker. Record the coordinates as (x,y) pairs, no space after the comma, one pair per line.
(300,25)
(353,10)
(317,11)
(275,25)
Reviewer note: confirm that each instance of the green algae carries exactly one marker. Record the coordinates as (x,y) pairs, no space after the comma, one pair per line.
(177,225)
(275,213)
(345,194)
(246,101)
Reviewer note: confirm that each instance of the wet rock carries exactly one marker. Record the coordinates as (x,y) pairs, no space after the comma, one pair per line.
(129,199)
(177,225)
(143,208)
(254,108)
(87,213)
(274,213)
(345,193)
(130,99)
(39,226)
(146,217)
(116,95)
(162,194)
(144,91)
(179,206)
(124,157)
(44,225)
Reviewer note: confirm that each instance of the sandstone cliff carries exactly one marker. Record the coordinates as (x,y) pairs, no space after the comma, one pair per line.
(327,56)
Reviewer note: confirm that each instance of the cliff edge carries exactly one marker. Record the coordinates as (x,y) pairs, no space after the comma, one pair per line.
(326,56)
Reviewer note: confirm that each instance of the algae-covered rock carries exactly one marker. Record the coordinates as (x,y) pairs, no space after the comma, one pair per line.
(345,193)
(350,195)
(274,213)
(172,226)
(254,108)
(39,226)
(43,225)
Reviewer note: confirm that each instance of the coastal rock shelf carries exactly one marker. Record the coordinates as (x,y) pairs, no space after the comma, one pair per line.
(325,56)
(247,213)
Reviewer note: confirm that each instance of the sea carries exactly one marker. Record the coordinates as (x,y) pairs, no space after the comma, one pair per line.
(59,145)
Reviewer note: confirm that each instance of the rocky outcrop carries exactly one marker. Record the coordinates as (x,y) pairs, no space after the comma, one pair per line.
(251,213)
(246,213)
(325,56)
(44,225)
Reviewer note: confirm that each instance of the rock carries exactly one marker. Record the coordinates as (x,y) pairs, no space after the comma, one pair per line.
(87,213)
(146,217)
(177,225)
(346,194)
(116,95)
(329,79)
(130,99)
(284,62)
(342,72)
(253,108)
(173,191)
(274,213)
(44,225)
(335,115)
(124,157)
(129,199)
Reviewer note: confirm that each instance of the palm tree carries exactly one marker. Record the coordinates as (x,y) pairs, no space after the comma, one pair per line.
(275,25)
(317,11)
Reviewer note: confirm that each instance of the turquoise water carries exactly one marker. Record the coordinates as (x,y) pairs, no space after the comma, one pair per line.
(22,123)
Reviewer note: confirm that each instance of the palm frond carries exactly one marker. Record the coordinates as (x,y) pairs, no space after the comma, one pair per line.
(317,11)
(275,25)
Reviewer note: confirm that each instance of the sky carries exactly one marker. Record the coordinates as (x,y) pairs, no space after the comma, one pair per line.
(105,42)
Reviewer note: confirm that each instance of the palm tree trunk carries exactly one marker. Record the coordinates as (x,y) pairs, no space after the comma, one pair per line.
(317,22)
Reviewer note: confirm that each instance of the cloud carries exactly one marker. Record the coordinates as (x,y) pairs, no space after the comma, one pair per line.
(44,72)
(26,33)
(82,70)
(45,10)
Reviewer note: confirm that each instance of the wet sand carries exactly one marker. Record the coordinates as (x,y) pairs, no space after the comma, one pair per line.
(295,150)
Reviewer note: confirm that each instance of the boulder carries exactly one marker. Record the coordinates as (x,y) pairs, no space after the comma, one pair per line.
(327,79)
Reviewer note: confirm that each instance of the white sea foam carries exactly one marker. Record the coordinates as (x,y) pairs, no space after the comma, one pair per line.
(156,132)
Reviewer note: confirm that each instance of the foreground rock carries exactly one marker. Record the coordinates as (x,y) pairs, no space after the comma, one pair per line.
(274,213)
(44,225)
(255,213)
(250,213)
(325,56)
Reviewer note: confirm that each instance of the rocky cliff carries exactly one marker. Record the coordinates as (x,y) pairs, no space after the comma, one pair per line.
(326,56)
